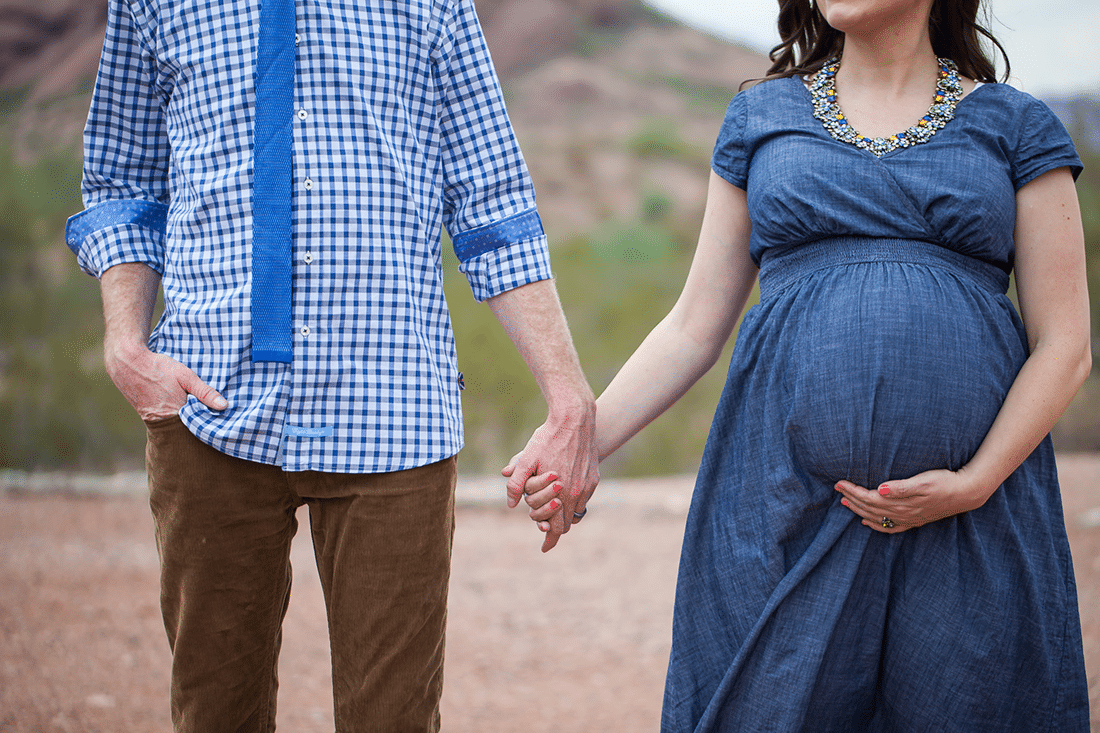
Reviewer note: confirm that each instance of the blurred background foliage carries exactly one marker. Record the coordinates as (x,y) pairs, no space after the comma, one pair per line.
(621,175)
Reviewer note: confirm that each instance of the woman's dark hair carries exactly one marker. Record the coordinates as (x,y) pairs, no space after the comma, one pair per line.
(808,41)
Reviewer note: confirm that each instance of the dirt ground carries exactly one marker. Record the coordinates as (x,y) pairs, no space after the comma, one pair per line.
(575,641)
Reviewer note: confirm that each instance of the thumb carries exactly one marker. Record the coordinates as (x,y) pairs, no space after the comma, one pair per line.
(205,394)
(507,470)
(894,488)
(517,478)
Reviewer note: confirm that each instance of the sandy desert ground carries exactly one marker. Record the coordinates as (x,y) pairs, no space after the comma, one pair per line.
(574,641)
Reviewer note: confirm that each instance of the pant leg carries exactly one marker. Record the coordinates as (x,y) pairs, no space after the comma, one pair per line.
(223,529)
(383,547)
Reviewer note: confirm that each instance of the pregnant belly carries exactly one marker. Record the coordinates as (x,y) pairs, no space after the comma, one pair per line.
(891,369)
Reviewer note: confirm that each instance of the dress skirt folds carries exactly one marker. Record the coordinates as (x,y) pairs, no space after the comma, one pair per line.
(883,346)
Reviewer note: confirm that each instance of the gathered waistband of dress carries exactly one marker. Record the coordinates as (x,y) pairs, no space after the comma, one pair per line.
(779,268)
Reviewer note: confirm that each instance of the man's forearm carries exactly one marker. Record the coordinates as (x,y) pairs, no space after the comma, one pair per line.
(565,444)
(129,293)
(532,317)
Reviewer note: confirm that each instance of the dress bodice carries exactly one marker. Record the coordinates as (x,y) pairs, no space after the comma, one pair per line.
(957,190)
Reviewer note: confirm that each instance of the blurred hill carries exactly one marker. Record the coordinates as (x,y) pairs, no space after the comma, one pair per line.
(616,108)
(50,47)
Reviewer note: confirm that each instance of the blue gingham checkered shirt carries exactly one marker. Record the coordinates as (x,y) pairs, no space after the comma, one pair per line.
(399,131)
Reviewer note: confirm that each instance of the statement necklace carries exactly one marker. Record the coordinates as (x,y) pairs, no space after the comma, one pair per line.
(823,93)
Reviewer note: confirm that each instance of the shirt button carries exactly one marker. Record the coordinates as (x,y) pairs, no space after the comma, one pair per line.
(302,114)
(297,39)
(308,257)
(308,184)
(305,330)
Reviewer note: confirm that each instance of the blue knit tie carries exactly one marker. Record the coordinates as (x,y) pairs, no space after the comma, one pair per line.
(272,333)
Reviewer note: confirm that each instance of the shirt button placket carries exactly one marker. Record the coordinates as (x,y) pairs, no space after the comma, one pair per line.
(307,183)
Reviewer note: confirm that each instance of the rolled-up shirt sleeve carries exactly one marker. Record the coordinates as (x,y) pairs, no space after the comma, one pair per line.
(489,199)
(126,156)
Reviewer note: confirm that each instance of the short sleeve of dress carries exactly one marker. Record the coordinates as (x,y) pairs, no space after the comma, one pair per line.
(730,159)
(1043,146)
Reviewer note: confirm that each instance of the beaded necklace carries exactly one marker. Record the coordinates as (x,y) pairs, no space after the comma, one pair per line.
(823,93)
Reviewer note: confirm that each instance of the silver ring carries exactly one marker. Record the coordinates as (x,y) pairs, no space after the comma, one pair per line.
(887,523)
(578,516)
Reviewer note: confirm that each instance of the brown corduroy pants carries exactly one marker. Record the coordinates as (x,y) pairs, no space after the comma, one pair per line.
(383,548)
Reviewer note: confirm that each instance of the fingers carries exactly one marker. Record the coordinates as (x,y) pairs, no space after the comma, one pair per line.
(205,394)
(541,494)
(871,507)
(549,542)
(517,479)
(543,497)
(507,471)
(581,507)
(558,525)
(547,511)
(158,386)
(536,485)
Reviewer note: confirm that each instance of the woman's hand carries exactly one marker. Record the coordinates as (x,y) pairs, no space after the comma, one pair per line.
(541,494)
(896,506)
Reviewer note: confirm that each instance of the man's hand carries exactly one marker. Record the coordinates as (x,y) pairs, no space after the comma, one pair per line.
(568,448)
(156,385)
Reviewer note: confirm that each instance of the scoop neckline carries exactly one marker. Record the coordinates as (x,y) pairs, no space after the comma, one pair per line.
(808,97)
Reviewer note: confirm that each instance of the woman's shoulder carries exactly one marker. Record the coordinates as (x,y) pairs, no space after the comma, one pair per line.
(771,89)
(767,103)
(1005,101)
(1033,136)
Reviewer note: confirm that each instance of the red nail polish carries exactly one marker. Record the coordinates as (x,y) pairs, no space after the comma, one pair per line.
(884,490)
(554,503)
(553,477)
(557,488)
(844,502)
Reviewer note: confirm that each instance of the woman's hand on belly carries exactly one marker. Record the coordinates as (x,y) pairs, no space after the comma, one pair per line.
(902,504)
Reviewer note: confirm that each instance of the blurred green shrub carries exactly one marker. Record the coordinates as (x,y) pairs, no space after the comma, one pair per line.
(58,409)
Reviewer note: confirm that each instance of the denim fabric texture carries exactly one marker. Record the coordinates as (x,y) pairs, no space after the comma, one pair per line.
(883,346)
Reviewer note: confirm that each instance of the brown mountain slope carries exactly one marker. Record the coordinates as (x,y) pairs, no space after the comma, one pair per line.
(611,103)
(606,132)
(50,47)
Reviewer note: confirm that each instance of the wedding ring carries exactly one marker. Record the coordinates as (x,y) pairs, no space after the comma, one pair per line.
(887,523)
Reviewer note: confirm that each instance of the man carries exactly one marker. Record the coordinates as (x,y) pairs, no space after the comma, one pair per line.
(283,169)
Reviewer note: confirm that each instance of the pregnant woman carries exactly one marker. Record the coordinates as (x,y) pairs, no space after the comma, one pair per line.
(876,540)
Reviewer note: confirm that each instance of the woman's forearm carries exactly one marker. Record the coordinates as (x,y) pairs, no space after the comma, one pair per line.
(658,374)
(687,343)
(1054,305)
(1039,396)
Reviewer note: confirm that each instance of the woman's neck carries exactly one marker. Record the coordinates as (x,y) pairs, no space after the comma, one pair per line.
(889,69)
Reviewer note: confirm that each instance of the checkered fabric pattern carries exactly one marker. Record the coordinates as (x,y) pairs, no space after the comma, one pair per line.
(400,131)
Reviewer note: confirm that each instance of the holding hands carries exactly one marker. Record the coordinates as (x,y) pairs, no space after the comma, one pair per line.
(556,474)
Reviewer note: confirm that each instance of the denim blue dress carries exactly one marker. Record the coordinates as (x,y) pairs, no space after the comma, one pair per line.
(883,346)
